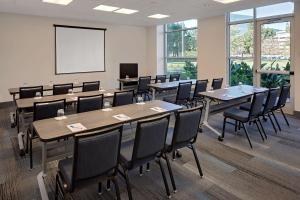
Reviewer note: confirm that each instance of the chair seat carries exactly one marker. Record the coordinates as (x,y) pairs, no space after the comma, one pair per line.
(245,106)
(237,114)
(66,169)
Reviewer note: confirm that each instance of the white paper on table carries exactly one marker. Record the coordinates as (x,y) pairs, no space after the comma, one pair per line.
(60,118)
(108,94)
(107,109)
(158,109)
(37,97)
(102,90)
(76,127)
(141,103)
(70,94)
(122,117)
(74,98)
(210,91)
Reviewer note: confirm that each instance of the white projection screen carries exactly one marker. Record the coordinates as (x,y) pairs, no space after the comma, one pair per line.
(79,49)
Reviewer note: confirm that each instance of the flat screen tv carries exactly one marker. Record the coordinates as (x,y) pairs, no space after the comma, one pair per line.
(129,69)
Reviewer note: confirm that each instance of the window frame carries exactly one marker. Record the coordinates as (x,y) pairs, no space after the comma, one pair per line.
(166,46)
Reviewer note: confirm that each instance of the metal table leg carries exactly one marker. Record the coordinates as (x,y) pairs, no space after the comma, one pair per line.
(42,174)
(153,93)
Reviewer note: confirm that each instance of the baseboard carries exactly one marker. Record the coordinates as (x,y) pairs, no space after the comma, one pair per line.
(297,114)
(6,104)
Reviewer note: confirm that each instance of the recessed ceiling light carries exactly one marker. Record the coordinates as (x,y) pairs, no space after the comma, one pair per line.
(106,8)
(126,11)
(226,1)
(60,2)
(158,16)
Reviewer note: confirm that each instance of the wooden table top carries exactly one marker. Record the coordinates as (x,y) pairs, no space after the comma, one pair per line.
(128,80)
(28,102)
(52,129)
(13,91)
(231,93)
(170,85)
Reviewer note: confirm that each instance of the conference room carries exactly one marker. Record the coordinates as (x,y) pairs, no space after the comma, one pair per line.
(149,99)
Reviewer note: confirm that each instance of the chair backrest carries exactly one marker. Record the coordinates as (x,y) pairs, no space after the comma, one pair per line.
(217,83)
(48,109)
(257,104)
(186,126)
(89,103)
(96,153)
(271,100)
(150,138)
(30,92)
(174,77)
(161,78)
(143,84)
(123,98)
(91,86)
(184,91)
(201,86)
(62,88)
(284,94)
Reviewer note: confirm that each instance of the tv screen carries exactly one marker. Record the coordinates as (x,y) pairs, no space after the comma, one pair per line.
(129,69)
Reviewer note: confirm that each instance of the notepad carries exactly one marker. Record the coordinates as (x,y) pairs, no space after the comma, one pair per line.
(158,109)
(108,94)
(60,118)
(102,90)
(76,127)
(122,117)
(37,97)
(210,91)
(70,94)
(141,103)
(107,109)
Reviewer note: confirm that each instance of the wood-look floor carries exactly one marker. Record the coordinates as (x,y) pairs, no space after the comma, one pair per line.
(271,170)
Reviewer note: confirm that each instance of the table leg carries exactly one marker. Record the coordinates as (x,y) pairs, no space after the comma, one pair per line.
(18,120)
(42,186)
(153,93)
(122,85)
(204,119)
(44,158)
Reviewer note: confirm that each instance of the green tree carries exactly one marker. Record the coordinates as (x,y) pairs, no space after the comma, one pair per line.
(190,70)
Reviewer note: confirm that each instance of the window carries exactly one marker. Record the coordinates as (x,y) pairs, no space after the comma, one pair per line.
(272,50)
(181,48)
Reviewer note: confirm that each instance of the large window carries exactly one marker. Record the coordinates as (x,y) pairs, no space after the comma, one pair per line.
(181,48)
(260,45)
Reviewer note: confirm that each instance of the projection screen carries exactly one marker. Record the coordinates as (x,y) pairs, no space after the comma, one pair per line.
(79,49)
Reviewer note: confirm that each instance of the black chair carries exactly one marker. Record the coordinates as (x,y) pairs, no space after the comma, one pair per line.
(174,77)
(201,86)
(148,145)
(89,103)
(217,83)
(123,98)
(160,78)
(96,157)
(91,86)
(30,92)
(283,96)
(183,135)
(42,110)
(183,94)
(143,87)
(267,109)
(62,88)
(244,117)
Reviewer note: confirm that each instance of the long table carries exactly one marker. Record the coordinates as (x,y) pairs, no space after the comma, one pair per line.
(49,130)
(167,86)
(226,95)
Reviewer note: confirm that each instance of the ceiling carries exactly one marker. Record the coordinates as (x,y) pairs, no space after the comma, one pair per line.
(83,9)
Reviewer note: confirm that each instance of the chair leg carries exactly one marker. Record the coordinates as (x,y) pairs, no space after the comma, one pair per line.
(174,155)
(30,152)
(128,184)
(279,127)
(108,185)
(100,188)
(141,170)
(164,178)
(224,127)
(271,120)
(114,180)
(262,128)
(197,160)
(56,187)
(246,131)
(235,126)
(27,142)
(170,173)
(148,167)
(287,122)
(262,137)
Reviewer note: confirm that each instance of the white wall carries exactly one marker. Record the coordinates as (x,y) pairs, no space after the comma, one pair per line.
(212,48)
(27,52)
